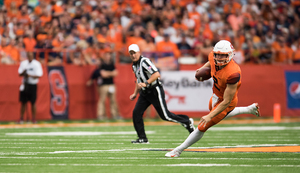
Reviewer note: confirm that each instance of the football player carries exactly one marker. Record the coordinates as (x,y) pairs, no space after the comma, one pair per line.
(227,80)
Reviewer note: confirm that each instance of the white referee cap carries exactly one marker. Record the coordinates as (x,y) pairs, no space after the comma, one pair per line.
(133,47)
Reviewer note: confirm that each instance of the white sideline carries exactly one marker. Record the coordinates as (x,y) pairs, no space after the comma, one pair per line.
(74,133)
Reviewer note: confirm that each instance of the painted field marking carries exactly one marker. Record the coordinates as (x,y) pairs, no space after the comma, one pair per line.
(280,149)
(163,123)
(147,158)
(148,165)
(73,133)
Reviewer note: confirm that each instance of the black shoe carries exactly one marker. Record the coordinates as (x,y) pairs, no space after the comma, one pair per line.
(140,141)
(190,127)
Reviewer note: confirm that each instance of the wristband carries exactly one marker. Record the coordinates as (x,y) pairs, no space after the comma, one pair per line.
(147,84)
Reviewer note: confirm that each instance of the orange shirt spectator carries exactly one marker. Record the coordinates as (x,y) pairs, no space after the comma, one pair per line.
(231,7)
(19,32)
(296,55)
(45,18)
(29,44)
(56,43)
(38,10)
(283,53)
(137,8)
(57,9)
(131,2)
(115,35)
(167,46)
(17,2)
(207,33)
(180,26)
(118,8)
(12,10)
(235,20)
(181,3)
(24,18)
(13,52)
(41,37)
(196,17)
(147,45)
(169,13)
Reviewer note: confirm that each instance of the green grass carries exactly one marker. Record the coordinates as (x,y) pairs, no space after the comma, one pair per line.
(114,152)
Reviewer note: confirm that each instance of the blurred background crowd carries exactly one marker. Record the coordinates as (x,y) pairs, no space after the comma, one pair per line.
(82,32)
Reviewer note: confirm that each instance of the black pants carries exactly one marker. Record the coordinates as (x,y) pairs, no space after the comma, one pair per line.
(29,93)
(156,97)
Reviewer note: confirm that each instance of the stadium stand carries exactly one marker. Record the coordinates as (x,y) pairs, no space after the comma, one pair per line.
(61,31)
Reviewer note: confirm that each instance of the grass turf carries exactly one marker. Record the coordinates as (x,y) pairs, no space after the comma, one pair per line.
(114,152)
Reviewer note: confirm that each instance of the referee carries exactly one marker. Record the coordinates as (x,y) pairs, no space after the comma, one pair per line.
(148,85)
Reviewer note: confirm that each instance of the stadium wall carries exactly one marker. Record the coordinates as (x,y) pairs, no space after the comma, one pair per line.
(265,84)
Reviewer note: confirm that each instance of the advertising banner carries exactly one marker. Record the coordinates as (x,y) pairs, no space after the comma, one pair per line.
(293,89)
(184,92)
(59,103)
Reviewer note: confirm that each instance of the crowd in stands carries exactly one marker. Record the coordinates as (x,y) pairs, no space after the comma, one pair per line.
(81,32)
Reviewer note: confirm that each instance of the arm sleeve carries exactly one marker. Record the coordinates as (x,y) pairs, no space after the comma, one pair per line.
(21,68)
(234,78)
(95,74)
(149,66)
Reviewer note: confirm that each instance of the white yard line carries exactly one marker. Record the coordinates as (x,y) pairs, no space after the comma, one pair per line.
(148,158)
(149,165)
(73,133)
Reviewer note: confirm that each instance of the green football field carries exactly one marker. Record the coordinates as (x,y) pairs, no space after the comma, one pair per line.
(106,148)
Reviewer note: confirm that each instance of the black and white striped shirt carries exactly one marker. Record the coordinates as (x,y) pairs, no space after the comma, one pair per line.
(143,69)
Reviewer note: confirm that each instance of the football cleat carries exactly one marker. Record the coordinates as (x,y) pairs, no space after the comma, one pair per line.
(255,109)
(173,153)
(141,141)
(190,127)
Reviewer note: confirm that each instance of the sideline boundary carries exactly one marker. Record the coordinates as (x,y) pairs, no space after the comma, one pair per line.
(149,123)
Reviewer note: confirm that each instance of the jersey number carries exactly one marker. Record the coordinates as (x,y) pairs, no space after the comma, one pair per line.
(216,82)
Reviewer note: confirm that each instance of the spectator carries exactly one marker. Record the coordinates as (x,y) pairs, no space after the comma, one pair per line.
(29,41)
(296,53)
(12,52)
(148,47)
(216,23)
(231,7)
(106,88)
(167,48)
(184,47)
(118,20)
(281,52)
(31,70)
(204,50)
(265,51)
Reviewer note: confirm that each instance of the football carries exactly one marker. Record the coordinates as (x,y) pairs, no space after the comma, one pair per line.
(203,74)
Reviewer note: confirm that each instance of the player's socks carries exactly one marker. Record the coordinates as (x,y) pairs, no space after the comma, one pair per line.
(242,110)
(195,136)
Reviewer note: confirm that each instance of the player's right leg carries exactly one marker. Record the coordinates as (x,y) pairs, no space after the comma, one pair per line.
(195,136)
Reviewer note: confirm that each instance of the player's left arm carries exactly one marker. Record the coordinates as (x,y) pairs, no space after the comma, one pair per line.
(229,93)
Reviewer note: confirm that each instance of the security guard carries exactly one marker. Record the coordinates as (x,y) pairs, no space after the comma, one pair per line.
(149,86)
